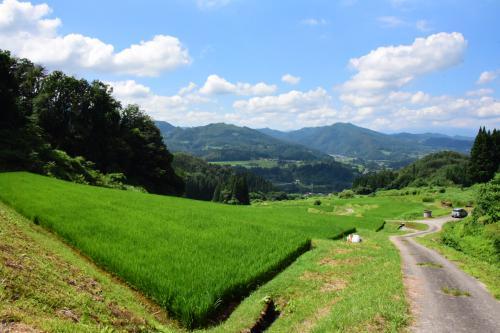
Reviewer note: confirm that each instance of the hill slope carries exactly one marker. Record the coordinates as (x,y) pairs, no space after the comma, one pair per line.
(223,142)
(442,168)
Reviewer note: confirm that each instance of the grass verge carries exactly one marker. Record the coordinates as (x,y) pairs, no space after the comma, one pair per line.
(487,273)
(455,292)
(325,290)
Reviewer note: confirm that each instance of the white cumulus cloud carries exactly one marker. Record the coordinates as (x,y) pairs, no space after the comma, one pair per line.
(27,32)
(179,108)
(391,67)
(292,102)
(216,85)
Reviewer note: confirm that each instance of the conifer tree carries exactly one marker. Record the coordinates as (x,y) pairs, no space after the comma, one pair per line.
(483,165)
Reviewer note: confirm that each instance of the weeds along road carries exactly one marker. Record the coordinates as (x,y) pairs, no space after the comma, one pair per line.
(443,298)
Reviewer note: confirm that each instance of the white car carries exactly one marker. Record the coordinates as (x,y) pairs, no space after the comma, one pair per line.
(459,213)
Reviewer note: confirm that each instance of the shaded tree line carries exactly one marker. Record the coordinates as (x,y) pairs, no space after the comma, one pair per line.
(205,181)
(319,176)
(73,129)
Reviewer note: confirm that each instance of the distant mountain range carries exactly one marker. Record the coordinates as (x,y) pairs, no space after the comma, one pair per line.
(224,142)
(353,141)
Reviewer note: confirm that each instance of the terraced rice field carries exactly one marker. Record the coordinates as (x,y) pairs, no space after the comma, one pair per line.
(191,257)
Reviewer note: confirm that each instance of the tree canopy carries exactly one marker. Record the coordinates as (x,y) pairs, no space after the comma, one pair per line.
(74,129)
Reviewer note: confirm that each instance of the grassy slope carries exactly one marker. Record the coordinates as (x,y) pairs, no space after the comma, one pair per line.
(46,285)
(187,255)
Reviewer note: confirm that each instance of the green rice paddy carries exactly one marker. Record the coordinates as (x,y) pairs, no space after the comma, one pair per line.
(191,257)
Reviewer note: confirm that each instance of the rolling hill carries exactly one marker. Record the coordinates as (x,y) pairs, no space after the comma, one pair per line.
(223,142)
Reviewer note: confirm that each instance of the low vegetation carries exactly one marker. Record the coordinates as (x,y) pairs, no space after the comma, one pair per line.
(479,235)
(455,292)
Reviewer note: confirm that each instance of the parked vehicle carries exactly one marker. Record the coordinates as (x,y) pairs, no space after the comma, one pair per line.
(459,213)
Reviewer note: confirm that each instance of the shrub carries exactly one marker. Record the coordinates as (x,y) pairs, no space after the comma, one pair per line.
(427,199)
(363,190)
(346,194)
(317,202)
(447,203)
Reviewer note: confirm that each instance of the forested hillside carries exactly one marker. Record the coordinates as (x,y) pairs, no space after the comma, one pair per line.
(70,128)
(442,168)
(224,142)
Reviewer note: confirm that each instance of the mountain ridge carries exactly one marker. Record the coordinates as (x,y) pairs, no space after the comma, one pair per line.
(221,141)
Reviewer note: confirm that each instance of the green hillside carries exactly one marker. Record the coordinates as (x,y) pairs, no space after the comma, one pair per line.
(442,169)
(189,256)
(223,142)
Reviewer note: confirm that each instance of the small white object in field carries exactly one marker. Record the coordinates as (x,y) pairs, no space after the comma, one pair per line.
(354,238)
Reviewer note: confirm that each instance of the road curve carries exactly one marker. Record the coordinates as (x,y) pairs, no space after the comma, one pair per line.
(426,274)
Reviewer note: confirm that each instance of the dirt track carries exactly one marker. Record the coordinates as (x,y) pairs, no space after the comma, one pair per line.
(431,280)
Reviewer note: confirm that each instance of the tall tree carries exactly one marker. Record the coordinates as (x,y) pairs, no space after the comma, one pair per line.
(483,164)
(240,190)
(19,135)
(148,161)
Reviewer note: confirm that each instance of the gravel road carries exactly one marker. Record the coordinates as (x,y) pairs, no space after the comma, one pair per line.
(432,283)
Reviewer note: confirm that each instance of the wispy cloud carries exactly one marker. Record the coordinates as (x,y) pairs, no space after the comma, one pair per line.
(209,4)
(290,79)
(488,76)
(391,21)
(314,21)
(396,22)
(423,25)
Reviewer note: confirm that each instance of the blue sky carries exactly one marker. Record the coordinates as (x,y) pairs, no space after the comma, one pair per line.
(389,65)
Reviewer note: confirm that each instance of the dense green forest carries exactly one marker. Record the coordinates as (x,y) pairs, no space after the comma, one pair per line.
(219,183)
(317,176)
(442,168)
(73,129)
